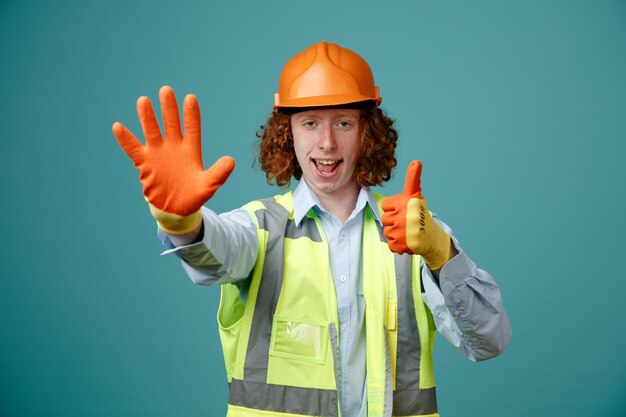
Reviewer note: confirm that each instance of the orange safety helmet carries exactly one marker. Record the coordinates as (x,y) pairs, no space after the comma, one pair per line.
(325,74)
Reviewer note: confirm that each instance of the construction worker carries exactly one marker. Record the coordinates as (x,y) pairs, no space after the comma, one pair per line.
(331,294)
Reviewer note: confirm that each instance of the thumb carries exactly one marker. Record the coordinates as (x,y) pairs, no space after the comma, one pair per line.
(129,143)
(217,175)
(413,182)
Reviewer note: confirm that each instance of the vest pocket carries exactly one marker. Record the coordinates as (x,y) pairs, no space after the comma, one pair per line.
(229,319)
(305,340)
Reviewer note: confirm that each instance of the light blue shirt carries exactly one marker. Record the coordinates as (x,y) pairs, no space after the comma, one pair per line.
(465,301)
(344,246)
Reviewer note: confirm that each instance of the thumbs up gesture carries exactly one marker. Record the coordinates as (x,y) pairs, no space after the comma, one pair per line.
(408,225)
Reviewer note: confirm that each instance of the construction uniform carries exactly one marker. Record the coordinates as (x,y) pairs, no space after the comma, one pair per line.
(287,350)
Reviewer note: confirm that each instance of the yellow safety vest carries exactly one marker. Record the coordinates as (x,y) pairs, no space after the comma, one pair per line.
(281,347)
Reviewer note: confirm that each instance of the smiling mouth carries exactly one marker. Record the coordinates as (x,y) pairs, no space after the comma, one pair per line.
(326,166)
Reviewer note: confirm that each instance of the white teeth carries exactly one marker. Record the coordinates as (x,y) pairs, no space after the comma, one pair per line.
(326,161)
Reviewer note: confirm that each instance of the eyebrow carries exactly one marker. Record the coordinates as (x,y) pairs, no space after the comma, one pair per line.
(348,115)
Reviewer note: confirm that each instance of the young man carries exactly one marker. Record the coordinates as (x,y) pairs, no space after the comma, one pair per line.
(331,296)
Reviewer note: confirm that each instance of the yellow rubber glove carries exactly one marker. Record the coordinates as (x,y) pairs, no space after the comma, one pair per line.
(408,225)
(171,171)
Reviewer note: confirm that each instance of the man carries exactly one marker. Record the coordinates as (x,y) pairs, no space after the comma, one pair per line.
(330,295)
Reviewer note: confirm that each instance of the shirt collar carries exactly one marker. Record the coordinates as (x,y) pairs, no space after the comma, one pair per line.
(304,199)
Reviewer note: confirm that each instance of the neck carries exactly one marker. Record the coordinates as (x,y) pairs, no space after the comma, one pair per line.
(340,205)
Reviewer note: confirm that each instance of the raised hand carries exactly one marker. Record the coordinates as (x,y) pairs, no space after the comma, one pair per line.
(408,225)
(171,171)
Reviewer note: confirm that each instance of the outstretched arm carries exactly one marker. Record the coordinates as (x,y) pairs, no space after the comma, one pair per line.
(176,185)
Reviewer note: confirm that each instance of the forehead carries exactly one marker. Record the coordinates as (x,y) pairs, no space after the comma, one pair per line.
(327,113)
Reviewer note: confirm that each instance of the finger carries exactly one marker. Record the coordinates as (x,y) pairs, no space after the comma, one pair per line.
(412,183)
(395,245)
(148,121)
(393,203)
(169,111)
(387,219)
(390,236)
(217,175)
(128,142)
(191,114)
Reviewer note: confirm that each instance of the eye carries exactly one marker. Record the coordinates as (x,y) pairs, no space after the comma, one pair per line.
(344,124)
(309,124)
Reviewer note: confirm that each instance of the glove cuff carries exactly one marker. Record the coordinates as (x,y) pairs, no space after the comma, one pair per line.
(173,223)
(439,254)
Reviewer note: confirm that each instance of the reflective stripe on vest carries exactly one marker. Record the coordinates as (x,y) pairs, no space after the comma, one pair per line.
(273,221)
(408,398)
(251,387)
(253,391)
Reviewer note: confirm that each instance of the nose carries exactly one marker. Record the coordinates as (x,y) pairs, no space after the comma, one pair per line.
(327,142)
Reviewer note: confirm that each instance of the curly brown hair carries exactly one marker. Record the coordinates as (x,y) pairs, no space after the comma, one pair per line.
(375,161)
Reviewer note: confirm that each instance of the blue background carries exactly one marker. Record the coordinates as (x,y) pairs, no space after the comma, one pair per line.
(517,109)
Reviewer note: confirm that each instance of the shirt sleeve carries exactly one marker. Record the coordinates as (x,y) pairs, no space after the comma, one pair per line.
(226,252)
(467,306)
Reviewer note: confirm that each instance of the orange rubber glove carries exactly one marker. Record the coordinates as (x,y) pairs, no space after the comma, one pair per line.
(171,171)
(408,225)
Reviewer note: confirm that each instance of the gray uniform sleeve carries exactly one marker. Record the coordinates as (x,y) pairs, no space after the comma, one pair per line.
(226,253)
(467,306)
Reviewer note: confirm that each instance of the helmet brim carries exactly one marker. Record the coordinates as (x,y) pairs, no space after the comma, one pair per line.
(327,101)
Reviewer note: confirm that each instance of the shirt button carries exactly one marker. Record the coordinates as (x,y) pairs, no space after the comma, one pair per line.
(343,278)
(456,313)
(344,327)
